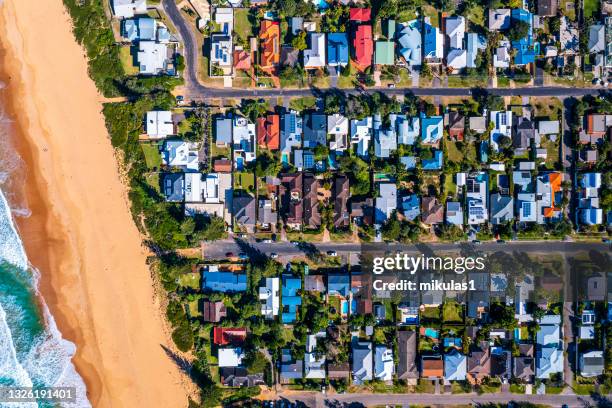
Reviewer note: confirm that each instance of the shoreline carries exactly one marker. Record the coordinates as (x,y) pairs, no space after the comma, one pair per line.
(80,234)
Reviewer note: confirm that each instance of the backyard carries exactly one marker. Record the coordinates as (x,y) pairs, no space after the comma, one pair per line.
(152,155)
(452,312)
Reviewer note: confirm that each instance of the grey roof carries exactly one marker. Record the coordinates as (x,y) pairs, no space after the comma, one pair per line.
(265,215)
(223,130)
(243,209)
(174,186)
(289,56)
(523,368)
(525,131)
(407,367)
(362,362)
(502,209)
(315,130)
(597,38)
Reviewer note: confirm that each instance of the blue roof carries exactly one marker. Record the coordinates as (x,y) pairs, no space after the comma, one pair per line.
(130,29)
(434,163)
(338,285)
(224,281)
(591,180)
(431,129)
(290,298)
(525,52)
(409,162)
(337,49)
(146,29)
(409,39)
(411,206)
(431,40)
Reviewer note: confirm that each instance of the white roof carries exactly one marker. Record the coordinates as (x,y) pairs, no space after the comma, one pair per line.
(457,59)
(152,57)
(362,362)
(502,126)
(269,294)
(313,367)
(178,153)
(211,188)
(128,8)
(548,127)
(230,357)
(193,187)
(314,56)
(225,16)
(337,124)
(383,363)
(386,203)
(455,30)
(501,59)
(159,124)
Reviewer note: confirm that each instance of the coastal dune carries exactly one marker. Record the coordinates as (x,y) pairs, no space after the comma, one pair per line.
(81,235)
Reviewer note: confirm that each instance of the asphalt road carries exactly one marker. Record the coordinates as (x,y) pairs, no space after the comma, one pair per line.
(195,91)
(287,250)
(370,400)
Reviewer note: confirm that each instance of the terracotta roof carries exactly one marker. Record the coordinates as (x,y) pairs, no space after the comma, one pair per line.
(341,195)
(432,212)
(432,367)
(290,192)
(269,37)
(268,132)
(222,166)
(361,15)
(312,217)
(225,335)
(242,59)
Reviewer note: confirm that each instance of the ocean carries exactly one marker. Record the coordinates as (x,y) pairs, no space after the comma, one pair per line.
(32,350)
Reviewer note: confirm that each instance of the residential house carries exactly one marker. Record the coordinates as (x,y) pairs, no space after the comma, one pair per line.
(314,283)
(269,43)
(502,209)
(476,200)
(243,210)
(155,58)
(159,124)
(548,127)
(362,211)
(502,127)
(433,163)
(269,298)
(338,128)
(312,216)
(338,371)
(433,43)
(314,363)
(432,367)
(180,155)
(174,186)
(478,124)
(499,19)
(230,357)
(385,139)
(454,213)
(547,8)
(410,41)
(139,29)
(223,131)
(242,59)
(523,364)
(291,299)
(432,212)
(363,44)
(267,217)
(592,363)
(290,368)
(455,366)
(292,205)
(432,130)
(475,43)
(548,196)
(361,135)
(479,363)
(386,202)
(213,311)
(597,38)
(568,38)
(589,212)
(501,57)
(524,135)
(407,367)
(315,130)
(224,281)
(455,31)
(243,139)
(408,129)
(290,56)
(549,350)
(240,377)
(341,195)
(129,8)
(385,52)
(337,50)
(362,362)
(268,132)
(221,53)
(222,336)
(384,367)
(290,134)
(456,125)
(525,53)
(314,55)
(411,206)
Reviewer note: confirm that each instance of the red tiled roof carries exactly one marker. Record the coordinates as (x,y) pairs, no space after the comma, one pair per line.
(224,335)
(269,38)
(268,132)
(362,15)
(363,45)
(242,59)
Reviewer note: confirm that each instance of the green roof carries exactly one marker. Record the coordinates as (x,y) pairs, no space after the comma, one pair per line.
(385,53)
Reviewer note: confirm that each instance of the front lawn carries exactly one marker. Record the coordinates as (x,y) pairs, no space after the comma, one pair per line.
(430,314)
(152,155)
(452,312)
(190,280)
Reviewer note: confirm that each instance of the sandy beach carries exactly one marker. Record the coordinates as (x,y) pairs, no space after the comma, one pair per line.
(81,235)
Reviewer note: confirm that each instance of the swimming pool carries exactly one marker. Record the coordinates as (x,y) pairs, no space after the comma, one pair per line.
(344,307)
(429,332)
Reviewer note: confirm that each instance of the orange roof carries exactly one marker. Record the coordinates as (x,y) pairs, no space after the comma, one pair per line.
(242,59)
(268,132)
(555,184)
(549,212)
(432,367)
(269,37)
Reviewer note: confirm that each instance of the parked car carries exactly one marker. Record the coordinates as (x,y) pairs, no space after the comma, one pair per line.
(273,255)
(332,253)
(266,241)
(229,254)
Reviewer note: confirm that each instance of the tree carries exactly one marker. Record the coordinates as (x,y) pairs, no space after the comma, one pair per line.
(333,102)
(299,41)
(391,228)
(518,30)
(179,63)
(426,71)
(505,142)
(356,107)
(254,109)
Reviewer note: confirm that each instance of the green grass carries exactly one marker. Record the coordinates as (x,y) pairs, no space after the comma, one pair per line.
(584,389)
(218,152)
(452,312)
(459,387)
(503,81)
(194,308)
(462,81)
(452,152)
(553,390)
(430,314)
(244,181)
(552,150)
(190,280)
(476,15)
(242,23)
(433,14)
(517,388)
(302,104)
(591,7)
(152,155)
(425,387)
(127,60)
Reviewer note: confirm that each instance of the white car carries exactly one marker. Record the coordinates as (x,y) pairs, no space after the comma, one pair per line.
(273,255)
